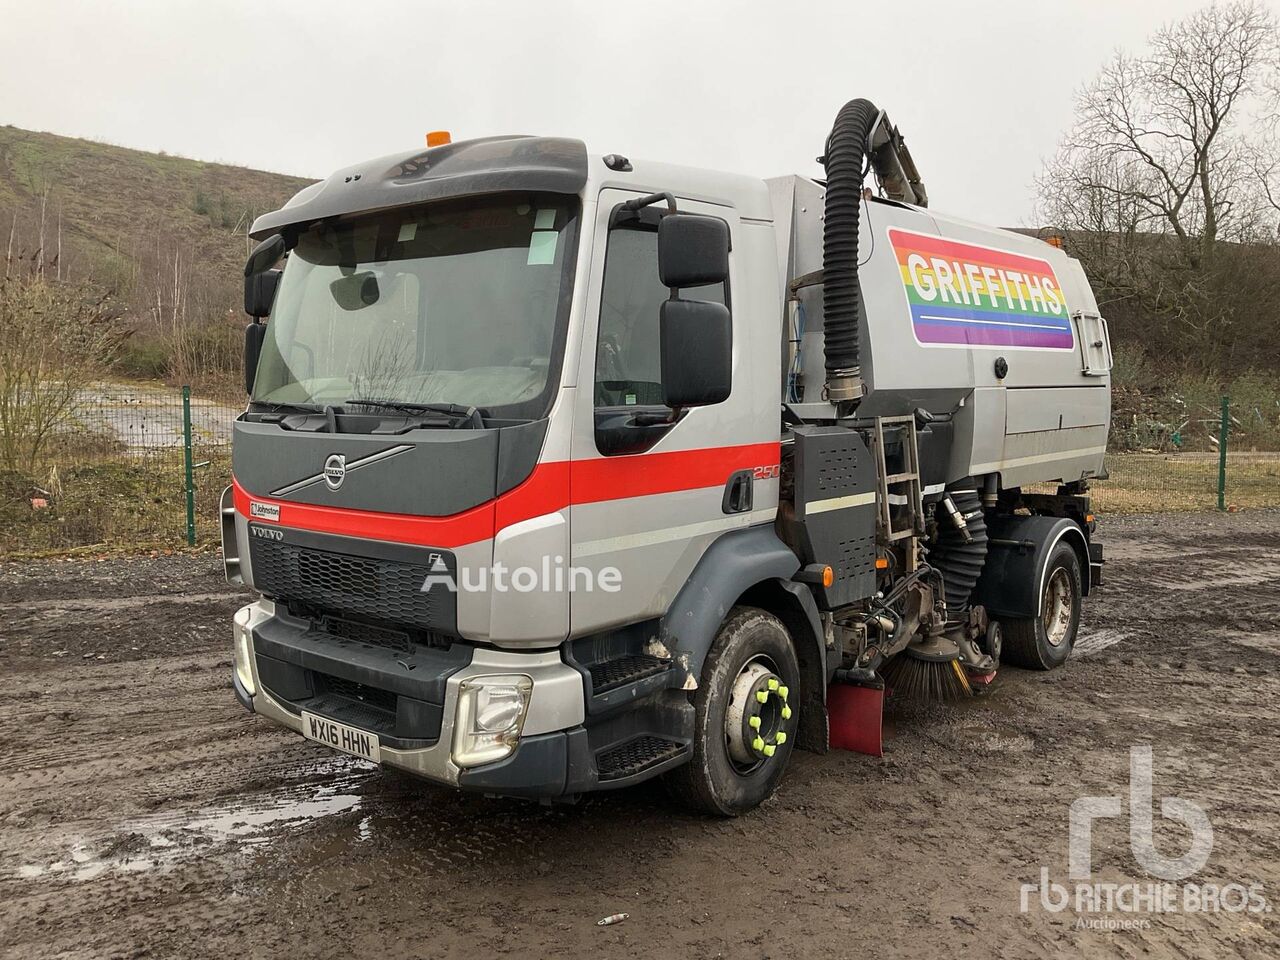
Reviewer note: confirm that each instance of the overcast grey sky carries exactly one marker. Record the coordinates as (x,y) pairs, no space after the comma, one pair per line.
(981,89)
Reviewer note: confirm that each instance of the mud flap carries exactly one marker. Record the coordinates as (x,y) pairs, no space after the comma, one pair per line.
(856,716)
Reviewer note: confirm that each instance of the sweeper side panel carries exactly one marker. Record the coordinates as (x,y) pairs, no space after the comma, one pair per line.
(835,511)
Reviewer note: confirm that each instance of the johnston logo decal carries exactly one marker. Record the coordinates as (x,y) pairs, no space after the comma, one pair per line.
(264,511)
(965,295)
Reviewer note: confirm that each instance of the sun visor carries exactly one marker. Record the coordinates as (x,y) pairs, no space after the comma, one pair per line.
(489,165)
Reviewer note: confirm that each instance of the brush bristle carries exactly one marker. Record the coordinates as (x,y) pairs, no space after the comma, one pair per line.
(937,680)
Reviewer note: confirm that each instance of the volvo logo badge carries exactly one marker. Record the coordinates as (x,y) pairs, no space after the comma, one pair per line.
(335,471)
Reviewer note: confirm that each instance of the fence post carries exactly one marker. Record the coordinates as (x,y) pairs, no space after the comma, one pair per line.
(187,465)
(1222,452)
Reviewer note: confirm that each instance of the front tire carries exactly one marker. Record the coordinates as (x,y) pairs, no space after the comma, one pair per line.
(1045,642)
(746,710)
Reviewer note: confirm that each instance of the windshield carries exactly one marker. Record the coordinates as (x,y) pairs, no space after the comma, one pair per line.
(461,302)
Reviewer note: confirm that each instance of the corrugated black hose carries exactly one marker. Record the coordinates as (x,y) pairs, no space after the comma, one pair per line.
(846,165)
(959,558)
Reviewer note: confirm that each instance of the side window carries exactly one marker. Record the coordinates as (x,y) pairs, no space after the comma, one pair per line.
(628,366)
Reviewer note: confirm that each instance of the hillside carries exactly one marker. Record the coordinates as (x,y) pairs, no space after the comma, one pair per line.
(117,204)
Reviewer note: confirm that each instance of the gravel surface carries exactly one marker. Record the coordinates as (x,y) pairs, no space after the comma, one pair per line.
(144,813)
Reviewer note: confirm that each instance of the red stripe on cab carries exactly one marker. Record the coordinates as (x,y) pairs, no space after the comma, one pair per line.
(549,488)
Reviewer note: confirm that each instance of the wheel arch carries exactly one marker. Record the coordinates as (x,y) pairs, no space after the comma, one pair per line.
(733,564)
(1012,581)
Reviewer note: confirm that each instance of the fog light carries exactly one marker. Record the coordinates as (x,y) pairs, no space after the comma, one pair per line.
(489,718)
(244,651)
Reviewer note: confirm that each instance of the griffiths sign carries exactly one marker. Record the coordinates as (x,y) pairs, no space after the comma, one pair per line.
(965,295)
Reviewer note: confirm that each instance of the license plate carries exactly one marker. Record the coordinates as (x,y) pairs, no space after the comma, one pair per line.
(358,743)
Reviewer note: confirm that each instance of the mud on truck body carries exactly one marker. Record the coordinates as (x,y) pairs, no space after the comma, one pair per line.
(735,443)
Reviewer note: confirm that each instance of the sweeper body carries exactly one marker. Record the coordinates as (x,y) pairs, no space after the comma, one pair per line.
(561,472)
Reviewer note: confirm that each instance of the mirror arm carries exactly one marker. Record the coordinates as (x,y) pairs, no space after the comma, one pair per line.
(652,198)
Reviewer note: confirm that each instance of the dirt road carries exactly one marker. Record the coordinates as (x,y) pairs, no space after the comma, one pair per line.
(143,813)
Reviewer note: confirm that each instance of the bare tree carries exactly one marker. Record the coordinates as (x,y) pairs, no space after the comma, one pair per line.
(8,253)
(54,339)
(1171,166)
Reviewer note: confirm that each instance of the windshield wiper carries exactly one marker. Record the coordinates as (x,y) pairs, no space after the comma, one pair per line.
(460,415)
(291,407)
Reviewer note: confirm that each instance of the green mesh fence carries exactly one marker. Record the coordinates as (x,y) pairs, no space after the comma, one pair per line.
(114,474)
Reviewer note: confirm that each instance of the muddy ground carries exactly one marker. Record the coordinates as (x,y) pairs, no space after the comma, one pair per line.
(144,813)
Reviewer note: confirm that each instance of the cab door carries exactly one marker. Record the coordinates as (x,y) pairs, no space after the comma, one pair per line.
(650,491)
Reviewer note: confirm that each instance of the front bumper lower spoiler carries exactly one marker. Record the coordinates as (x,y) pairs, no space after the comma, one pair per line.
(554,758)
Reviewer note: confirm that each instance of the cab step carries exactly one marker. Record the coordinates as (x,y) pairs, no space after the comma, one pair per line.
(612,674)
(638,755)
(618,683)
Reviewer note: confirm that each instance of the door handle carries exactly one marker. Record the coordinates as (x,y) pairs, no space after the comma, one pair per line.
(738,492)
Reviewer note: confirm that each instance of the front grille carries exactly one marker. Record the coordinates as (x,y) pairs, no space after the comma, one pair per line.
(371,696)
(380,589)
(396,640)
(354,714)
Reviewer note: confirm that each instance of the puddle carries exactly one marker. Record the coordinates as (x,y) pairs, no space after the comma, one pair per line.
(169,837)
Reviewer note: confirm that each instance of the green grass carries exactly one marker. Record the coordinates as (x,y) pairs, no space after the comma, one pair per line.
(114,502)
(1159,483)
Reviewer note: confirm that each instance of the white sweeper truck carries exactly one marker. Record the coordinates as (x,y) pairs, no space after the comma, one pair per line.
(561,471)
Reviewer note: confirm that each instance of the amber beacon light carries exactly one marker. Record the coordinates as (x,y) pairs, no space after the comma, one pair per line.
(438,138)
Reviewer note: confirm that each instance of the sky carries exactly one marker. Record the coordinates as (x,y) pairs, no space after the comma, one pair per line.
(981,90)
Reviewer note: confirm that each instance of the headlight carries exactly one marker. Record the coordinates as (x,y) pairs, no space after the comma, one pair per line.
(489,718)
(244,651)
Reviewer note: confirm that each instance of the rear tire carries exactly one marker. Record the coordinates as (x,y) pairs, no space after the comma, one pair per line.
(752,652)
(1045,642)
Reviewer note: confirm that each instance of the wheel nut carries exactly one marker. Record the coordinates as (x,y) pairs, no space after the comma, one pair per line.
(781,738)
(769,749)
(786,713)
(773,684)
(782,692)
(762,696)
(754,723)
(758,744)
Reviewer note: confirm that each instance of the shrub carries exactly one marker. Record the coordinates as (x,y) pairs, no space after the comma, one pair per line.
(54,340)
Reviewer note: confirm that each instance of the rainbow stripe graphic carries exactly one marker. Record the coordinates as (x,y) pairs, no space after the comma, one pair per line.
(965,295)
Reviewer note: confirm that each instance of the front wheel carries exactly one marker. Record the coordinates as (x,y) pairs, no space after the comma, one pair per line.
(745,716)
(1045,642)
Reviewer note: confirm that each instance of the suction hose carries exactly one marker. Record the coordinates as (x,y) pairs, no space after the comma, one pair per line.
(846,164)
(959,552)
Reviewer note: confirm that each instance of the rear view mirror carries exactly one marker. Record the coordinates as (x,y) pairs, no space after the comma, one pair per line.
(692,251)
(254,334)
(260,280)
(696,345)
(357,291)
(260,293)
(265,255)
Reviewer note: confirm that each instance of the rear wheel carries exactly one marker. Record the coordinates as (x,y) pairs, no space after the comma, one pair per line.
(1045,642)
(745,716)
